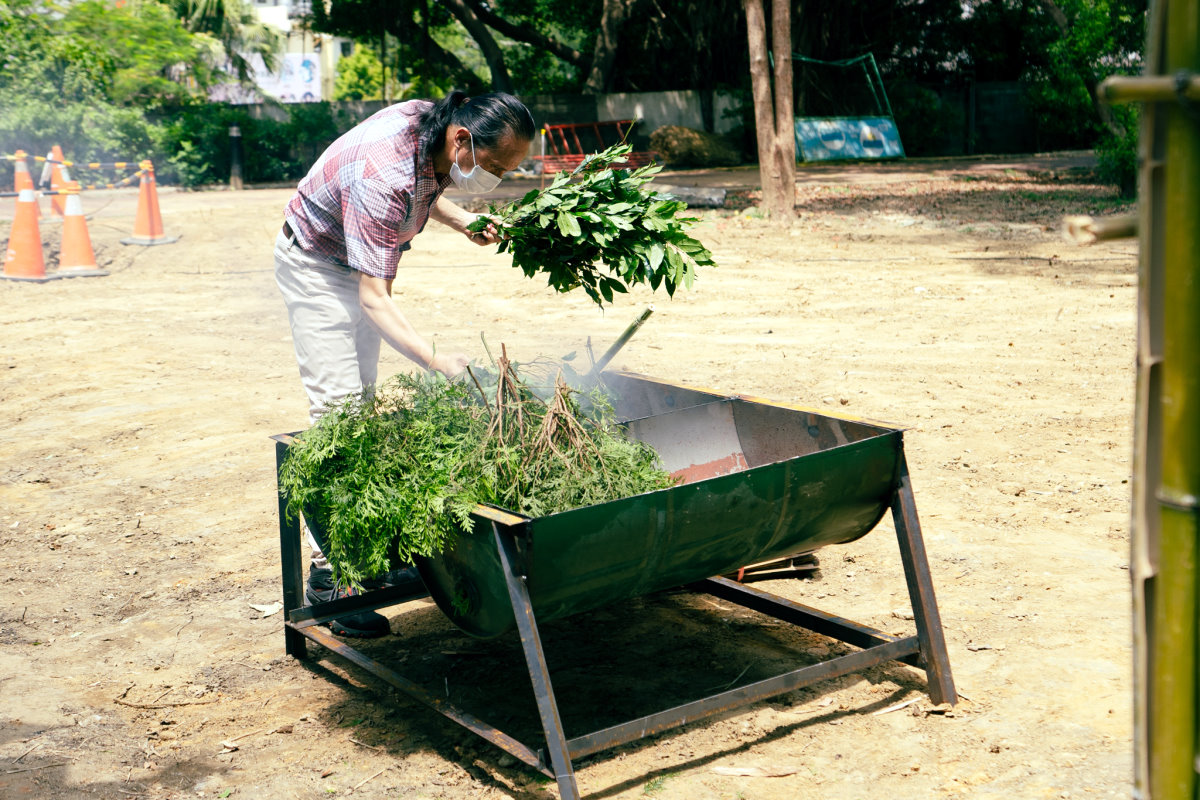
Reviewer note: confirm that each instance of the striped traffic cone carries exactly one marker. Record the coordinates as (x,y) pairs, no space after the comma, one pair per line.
(60,179)
(23,259)
(76,259)
(148,227)
(22,180)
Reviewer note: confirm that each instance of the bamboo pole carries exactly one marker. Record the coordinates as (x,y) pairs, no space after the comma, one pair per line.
(1172,700)
(1161,89)
(1167,426)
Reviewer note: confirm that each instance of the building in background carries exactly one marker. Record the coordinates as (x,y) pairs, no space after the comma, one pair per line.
(307,66)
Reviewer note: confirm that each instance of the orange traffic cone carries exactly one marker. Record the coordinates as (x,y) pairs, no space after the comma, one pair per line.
(23,260)
(76,259)
(148,228)
(22,180)
(60,179)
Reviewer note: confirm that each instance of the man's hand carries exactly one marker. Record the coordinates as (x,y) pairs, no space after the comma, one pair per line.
(458,218)
(489,235)
(449,364)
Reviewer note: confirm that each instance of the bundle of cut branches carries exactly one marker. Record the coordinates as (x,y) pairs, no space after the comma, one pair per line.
(397,473)
(600,228)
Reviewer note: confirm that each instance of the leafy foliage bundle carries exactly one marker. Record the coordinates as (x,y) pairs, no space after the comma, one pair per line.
(600,229)
(397,473)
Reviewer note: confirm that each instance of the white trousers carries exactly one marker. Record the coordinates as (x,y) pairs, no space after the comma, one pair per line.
(337,349)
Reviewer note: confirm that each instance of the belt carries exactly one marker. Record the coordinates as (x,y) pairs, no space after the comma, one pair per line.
(287,230)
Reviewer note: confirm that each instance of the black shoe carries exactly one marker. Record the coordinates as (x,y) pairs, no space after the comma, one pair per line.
(406,578)
(363,625)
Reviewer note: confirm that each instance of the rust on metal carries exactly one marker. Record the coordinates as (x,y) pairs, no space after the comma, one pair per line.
(693,473)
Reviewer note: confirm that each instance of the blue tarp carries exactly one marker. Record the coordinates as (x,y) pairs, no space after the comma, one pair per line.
(829,138)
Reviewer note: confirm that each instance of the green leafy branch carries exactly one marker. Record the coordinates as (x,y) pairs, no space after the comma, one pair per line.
(397,473)
(600,228)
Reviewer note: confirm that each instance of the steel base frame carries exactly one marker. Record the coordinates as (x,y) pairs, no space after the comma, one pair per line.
(557,754)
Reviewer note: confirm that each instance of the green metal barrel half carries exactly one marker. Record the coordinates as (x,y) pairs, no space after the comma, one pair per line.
(760,481)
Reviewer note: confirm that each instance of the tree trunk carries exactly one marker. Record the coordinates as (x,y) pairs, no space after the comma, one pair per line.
(605,54)
(465,14)
(773,115)
(425,38)
(785,118)
(383,90)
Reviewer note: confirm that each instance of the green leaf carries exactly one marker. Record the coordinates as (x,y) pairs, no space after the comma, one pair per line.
(656,255)
(479,224)
(676,262)
(567,224)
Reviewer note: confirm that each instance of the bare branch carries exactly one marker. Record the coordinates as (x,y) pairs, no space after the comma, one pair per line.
(529,35)
(466,14)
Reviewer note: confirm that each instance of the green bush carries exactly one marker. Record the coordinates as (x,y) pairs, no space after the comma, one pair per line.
(197,146)
(312,127)
(928,125)
(86,131)
(1117,156)
(1060,111)
(188,144)
(359,76)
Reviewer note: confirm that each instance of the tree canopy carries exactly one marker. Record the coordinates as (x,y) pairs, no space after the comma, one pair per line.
(95,73)
(541,46)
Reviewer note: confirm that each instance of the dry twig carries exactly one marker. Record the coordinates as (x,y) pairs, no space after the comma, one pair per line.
(163,705)
(31,769)
(364,780)
(27,752)
(896,706)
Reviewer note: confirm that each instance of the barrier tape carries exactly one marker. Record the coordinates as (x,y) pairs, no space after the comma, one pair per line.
(86,186)
(118,185)
(87,164)
(40,193)
(91,164)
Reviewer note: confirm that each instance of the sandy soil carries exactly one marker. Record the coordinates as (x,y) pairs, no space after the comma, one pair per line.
(138,514)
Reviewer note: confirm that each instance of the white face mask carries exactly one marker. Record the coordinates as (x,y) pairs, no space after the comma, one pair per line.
(478,180)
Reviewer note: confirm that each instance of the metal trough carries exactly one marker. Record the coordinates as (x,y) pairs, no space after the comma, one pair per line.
(760,481)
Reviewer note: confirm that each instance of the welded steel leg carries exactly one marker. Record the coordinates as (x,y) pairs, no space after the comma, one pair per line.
(290,558)
(934,658)
(535,657)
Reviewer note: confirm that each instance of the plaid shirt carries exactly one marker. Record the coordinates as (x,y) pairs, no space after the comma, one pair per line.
(368,194)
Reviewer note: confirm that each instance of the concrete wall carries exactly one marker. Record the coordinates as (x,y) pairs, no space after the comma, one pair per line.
(655,109)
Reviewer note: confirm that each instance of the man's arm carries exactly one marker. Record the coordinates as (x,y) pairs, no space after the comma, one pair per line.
(455,216)
(375,297)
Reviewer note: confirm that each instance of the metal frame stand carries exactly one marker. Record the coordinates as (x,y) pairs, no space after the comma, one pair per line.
(555,759)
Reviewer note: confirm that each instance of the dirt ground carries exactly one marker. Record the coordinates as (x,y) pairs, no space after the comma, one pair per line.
(138,511)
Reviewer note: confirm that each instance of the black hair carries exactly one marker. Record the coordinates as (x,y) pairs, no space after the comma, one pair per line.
(489,117)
